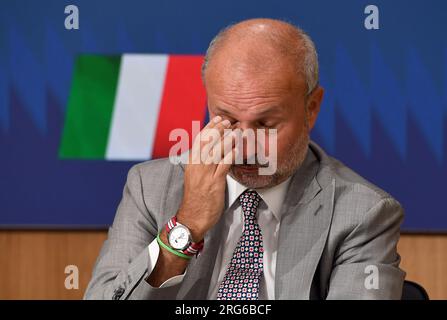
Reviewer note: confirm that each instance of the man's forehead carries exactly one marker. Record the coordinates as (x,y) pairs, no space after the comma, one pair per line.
(254,83)
(249,57)
(236,68)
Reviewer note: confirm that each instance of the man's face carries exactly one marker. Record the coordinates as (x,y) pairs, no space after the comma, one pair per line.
(262,99)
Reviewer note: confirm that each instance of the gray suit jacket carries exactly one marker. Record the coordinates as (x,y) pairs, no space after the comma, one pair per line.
(334,226)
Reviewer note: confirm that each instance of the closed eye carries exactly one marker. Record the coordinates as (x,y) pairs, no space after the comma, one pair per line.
(233,121)
(266,124)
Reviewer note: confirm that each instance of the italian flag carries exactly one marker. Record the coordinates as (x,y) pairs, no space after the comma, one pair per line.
(124,107)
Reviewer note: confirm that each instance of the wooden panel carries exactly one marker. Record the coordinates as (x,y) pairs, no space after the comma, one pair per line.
(32,263)
(424,258)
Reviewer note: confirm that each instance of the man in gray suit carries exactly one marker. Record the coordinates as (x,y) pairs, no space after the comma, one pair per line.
(312,230)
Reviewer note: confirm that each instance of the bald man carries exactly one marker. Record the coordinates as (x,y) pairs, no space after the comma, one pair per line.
(313,229)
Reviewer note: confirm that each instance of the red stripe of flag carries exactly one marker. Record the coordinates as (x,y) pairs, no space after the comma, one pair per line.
(183,101)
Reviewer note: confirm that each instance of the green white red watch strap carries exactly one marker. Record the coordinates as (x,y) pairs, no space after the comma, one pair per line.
(194,248)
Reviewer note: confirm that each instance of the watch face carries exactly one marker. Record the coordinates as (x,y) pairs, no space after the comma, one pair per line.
(179,238)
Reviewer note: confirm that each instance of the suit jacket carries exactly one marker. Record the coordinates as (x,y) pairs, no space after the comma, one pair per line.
(337,238)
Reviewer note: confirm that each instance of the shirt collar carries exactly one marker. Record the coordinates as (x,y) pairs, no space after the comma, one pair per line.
(273,197)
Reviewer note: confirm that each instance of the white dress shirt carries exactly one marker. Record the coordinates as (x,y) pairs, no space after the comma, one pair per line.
(269,218)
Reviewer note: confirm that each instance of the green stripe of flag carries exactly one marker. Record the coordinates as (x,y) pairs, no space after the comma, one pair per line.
(90,107)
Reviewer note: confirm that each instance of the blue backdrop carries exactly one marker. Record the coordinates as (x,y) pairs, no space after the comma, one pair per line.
(384,113)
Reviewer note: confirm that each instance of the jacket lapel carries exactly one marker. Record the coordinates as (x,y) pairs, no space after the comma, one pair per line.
(306,219)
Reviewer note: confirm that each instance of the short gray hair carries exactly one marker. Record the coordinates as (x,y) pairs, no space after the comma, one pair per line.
(306,49)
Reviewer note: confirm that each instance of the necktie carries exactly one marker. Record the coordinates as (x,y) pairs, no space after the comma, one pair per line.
(241,280)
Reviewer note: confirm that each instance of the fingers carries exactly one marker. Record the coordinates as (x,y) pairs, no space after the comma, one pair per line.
(217,131)
(221,147)
(196,147)
(211,139)
(225,164)
(213,122)
(216,144)
(212,134)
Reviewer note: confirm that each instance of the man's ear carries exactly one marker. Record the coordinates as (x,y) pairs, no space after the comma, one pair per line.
(313,106)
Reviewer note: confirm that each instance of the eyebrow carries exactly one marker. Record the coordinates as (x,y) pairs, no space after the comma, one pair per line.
(268,110)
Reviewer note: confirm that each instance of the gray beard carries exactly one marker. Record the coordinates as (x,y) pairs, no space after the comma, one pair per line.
(291,163)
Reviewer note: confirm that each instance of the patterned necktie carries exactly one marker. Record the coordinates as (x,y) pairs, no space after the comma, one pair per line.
(241,281)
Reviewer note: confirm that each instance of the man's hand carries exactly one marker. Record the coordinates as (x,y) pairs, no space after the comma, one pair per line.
(204,194)
(204,182)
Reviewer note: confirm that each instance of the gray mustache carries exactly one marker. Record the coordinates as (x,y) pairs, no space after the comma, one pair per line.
(252,161)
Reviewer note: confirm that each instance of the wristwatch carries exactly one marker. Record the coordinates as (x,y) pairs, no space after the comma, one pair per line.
(180,239)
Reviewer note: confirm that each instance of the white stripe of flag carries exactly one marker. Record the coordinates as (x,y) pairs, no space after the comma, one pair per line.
(137,103)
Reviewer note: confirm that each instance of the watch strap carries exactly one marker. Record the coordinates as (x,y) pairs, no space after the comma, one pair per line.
(194,248)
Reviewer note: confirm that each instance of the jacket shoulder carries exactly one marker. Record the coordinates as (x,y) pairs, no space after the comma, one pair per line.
(155,167)
(156,180)
(352,191)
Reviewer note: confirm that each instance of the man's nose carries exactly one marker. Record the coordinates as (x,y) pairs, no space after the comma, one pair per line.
(244,126)
(248,139)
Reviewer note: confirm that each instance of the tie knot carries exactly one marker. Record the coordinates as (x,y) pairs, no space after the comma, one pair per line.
(249,201)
